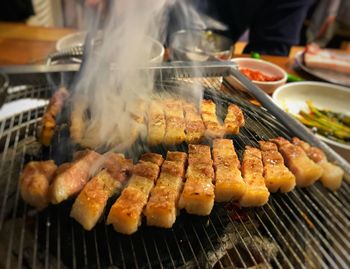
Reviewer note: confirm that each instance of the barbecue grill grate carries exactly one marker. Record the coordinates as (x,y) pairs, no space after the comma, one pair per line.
(302,229)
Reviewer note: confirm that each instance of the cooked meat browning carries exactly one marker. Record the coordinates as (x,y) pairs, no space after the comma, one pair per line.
(34,182)
(332,176)
(152,158)
(234,119)
(162,206)
(224,153)
(156,123)
(304,169)
(117,166)
(175,122)
(229,184)
(277,175)
(198,194)
(125,214)
(199,155)
(194,125)
(313,153)
(54,108)
(252,169)
(177,156)
(91,201)
(78,118)
(73,178)
(213,127)
(147,170)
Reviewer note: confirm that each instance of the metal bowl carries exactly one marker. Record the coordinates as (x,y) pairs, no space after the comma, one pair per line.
(199,45)
(4,83)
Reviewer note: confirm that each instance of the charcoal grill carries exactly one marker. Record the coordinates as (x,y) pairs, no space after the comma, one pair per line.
(306,228)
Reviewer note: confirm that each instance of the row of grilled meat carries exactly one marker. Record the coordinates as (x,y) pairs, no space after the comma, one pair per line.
(168,121)
(159,188)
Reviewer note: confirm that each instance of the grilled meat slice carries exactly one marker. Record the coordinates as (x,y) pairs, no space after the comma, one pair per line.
(277,175)
(54,108)
(177,156)
(125,214)
(147,170)
(73,178)
(234,119)
(162,206)
(229,184)
(306,171)
(198,194)
(332,176)
(175,122)
(117,166)
(213,127)
(252,169)
(91,201)
(195,128)
(152,158)
(78,119)
(34,182)
(156,123)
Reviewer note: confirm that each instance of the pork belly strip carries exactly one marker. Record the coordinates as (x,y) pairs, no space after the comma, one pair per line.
(234,119)
(156,123)
(306,171)
(175,122)
(78,119)
(277,175)
(74,177)
(125,214)
(332,175)
(198,194)
(252,170)
(34,182)
(161,208)
(152,158)
(177,156)
(229,184)
(315,57)
(91,201)
(48,123)
(194,125)
(213,127)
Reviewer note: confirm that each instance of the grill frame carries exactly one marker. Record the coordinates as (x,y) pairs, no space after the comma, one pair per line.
(289,221)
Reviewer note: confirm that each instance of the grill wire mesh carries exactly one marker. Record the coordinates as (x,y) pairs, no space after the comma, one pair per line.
(306,228)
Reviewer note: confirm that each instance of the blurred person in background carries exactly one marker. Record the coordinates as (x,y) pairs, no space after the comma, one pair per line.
(16,10)
(274,25)
(329,24)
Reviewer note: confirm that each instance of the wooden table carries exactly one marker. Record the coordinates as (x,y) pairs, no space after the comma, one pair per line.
(23,44)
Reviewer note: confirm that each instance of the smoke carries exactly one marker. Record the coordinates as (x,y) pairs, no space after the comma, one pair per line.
(107,99)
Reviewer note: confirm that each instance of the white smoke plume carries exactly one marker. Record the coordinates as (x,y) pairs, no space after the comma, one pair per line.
(105,98)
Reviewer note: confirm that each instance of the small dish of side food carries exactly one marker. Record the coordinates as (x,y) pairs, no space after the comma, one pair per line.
(263,74)
(323,107)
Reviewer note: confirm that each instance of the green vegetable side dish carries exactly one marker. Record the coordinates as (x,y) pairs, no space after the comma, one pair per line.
(255,55)
(293,78)
(333,125)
